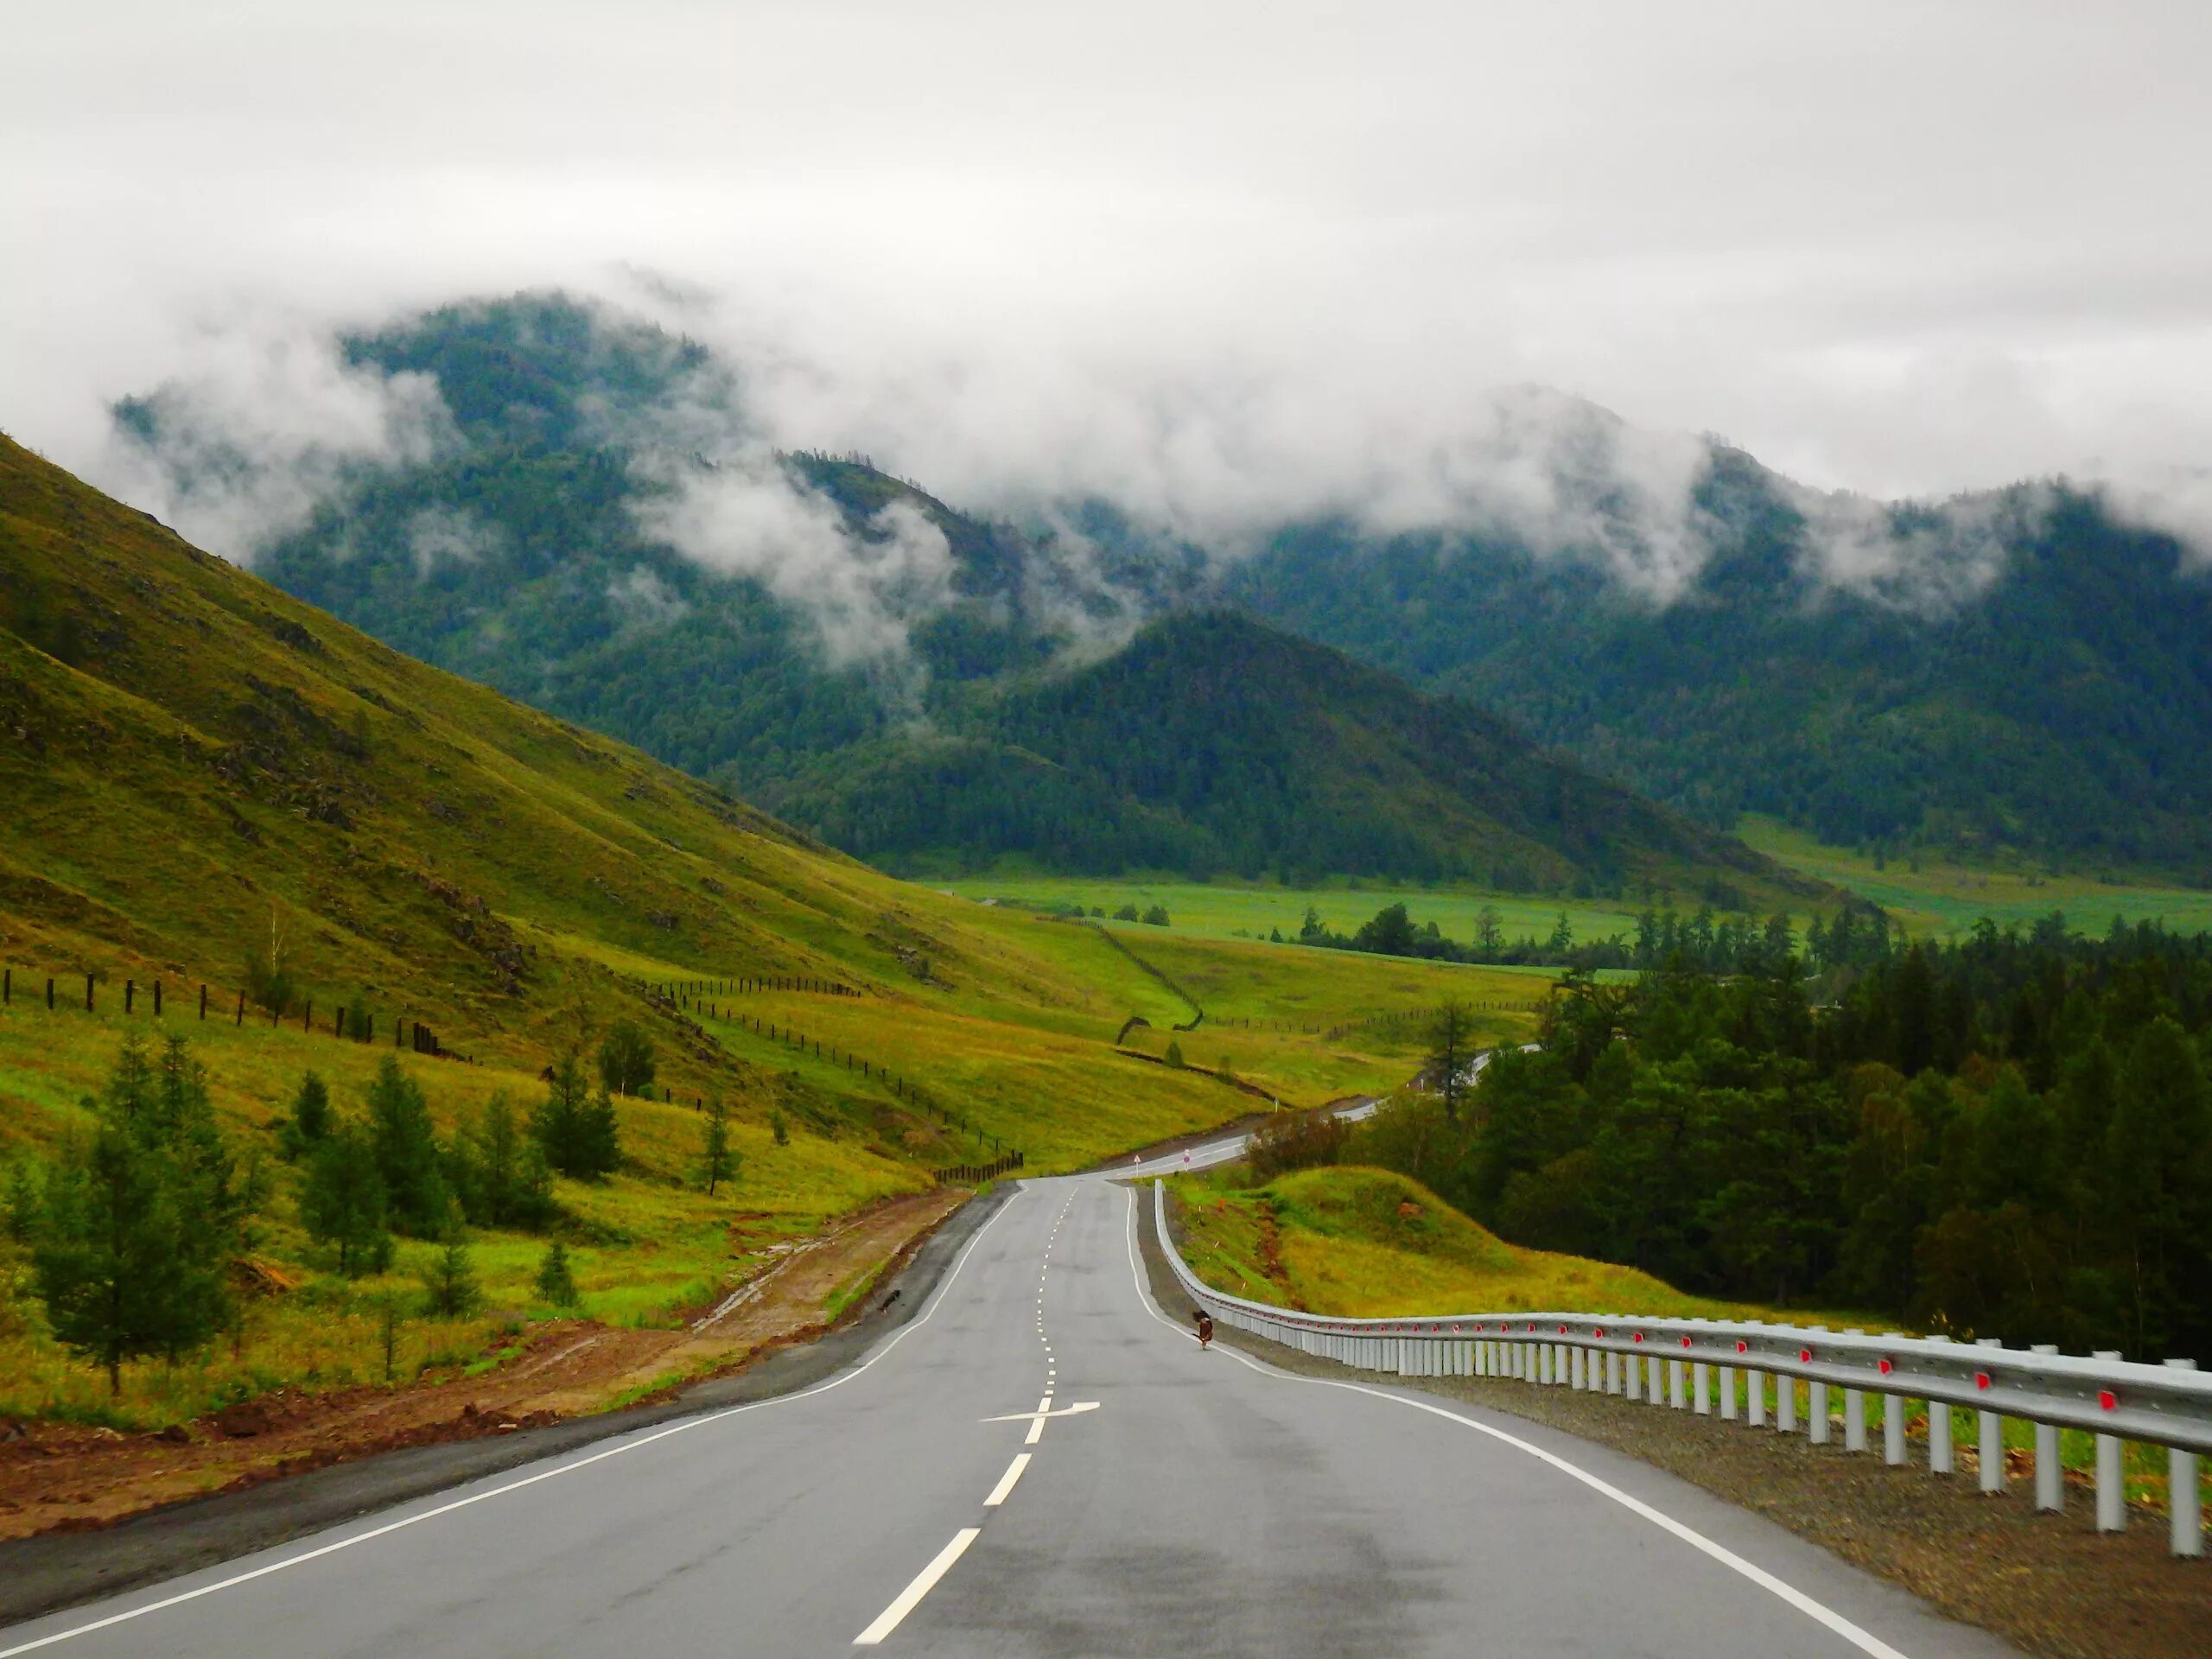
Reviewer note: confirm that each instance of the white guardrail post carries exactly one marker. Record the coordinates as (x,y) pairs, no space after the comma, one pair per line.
(2114,1400)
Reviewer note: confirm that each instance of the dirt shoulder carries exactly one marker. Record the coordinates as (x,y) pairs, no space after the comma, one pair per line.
(93,1511)
(2050,1585)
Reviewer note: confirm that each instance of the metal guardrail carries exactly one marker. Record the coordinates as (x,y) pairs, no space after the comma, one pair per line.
(1678,1362)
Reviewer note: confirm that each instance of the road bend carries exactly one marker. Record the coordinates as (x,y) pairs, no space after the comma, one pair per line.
(1044,1462)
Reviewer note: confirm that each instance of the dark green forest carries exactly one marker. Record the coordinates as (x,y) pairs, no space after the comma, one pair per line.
(2064,711)
(2010,1136)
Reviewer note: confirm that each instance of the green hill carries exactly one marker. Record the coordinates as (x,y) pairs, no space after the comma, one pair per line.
(1211,742)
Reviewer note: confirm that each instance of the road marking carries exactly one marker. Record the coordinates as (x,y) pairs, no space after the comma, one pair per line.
(1044,1409)
(1819,1613)
(305,1556)
(1006,1481)
(924,1581)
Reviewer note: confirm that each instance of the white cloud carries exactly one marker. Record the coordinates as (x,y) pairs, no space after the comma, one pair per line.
(747,515)
(261,428)
(644,600)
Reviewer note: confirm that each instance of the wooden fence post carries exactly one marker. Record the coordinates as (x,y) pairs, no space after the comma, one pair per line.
(88,993)
(129,994)
(157,999)
(6,985)
(241,1019)
(203,1001)
(49,995)
(338,1021)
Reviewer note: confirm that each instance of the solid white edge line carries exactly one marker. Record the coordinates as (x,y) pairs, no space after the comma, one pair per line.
(305,1556)
(1819,1613)
(1006,1481)
(924,1581)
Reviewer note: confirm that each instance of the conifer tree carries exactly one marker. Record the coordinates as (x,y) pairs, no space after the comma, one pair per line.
(1451,1050)
(310,1119)
(449,1285)
(135,1225)
(342,1203)
(406,1152)
(717,1163)
(557,1283)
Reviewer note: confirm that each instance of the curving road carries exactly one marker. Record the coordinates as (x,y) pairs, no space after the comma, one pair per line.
(1043,1464)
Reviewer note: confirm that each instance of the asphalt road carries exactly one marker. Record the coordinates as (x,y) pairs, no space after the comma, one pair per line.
(1173,1501)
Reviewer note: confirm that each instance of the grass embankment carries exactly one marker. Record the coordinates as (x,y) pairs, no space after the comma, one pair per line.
(1368,1243)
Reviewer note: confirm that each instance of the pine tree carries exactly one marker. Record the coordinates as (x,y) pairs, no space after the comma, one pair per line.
(134,1227)
(499,1172)
(449,1286)
(407,1156)
(310,1119)
(1451,1050)
(717,1163)
(342,1202)
(557,1284)
(599,1145)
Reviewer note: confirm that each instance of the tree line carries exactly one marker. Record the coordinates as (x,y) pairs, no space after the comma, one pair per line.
(2007,1135)
(1703,941)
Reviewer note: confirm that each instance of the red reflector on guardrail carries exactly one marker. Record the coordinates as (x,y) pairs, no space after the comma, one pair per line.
(1562,1329)
(1599,1333)
(1743,1347)
(1885,1366)
(1638,1337)
(1981,1379)
(1686,1342)
(1804,1356)
(2107,1399)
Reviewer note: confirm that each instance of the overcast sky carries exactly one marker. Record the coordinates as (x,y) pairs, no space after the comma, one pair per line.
(1904,248)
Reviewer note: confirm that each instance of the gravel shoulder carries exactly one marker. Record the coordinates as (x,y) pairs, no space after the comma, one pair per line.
(2049,1585)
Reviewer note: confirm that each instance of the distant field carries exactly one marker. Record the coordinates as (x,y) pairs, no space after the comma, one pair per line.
(1936,900)
(1942,898)
(1237,910)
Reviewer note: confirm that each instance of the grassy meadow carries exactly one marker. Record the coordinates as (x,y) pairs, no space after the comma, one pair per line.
(1940,897)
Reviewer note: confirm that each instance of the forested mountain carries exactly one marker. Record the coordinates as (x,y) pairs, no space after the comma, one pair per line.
(910,696)
(2051,692)
(594,527)
(1211,742)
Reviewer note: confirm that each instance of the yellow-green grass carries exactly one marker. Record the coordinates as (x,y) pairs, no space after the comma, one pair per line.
(1369,1243)
(1942,897)
(1237,909)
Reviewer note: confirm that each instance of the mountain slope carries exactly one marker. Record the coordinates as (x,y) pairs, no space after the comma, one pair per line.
(2051,694)
(1213,741)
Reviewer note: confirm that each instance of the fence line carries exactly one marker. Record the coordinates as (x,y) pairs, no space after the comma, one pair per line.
(1677,1362)
(413,1035)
